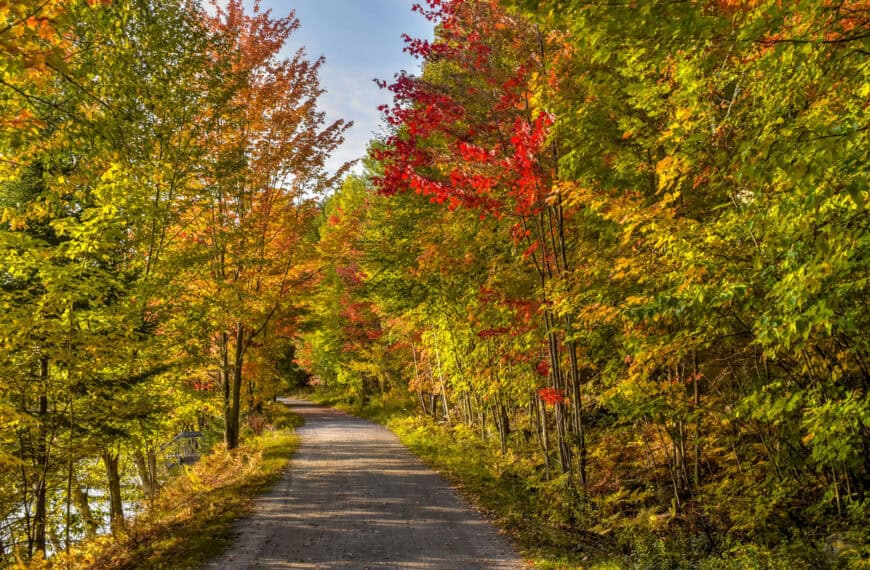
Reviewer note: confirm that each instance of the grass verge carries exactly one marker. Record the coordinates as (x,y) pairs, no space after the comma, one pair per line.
(550,524)
(488,480)
(495,485)
(191,519)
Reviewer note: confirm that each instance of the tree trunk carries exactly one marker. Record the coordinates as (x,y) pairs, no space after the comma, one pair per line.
(252,389)
(142,468)
(39,517)
(40,495)
(557,382)
(417,381)
(696,401)
(483,430)
(233,427)
(146,464)
(422,403)
(227,383)
(577,396)
(80,498)
(504,426)
(545,437)
(443,386)
(116,507)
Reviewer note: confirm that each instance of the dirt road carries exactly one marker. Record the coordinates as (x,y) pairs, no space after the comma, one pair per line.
(354,497)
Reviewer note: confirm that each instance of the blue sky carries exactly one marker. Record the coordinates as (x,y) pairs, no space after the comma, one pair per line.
(362,41)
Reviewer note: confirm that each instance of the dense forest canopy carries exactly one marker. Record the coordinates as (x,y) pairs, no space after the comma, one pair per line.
(160,169)
(623,244)
(628,241)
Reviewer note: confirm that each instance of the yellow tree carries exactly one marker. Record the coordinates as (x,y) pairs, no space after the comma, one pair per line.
(270,143)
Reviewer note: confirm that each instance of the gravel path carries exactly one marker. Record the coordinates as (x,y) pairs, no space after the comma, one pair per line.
(354,497)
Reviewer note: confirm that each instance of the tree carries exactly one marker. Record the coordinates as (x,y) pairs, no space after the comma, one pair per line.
(100,151)
(645,244)
(270,148)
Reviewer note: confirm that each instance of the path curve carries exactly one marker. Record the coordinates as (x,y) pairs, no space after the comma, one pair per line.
(355,497)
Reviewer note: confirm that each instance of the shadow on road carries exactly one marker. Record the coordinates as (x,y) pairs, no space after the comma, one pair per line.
(356,498)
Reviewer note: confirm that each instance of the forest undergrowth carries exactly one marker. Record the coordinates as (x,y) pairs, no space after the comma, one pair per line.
(554,527)
(191,518)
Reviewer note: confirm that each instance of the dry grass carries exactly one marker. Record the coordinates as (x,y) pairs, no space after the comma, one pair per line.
(191,519)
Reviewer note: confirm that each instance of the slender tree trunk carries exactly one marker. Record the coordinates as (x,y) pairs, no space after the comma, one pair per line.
(70,458)
(252,388)
(654,465)
(227,385)
(69,489)
(146,464)
(681,433)
(80,498)
(444,403)
(504,425)
(151,456)
(545,437)
(555,383)
(116,506)
(672,463)
(39,516)
(25,486)
(483,431)
(417,382)
(577,397)
(696,401)
(40,495)
(443,386)
(142,468)
(235,408)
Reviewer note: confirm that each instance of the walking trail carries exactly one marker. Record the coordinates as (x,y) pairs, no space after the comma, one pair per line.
(354,497)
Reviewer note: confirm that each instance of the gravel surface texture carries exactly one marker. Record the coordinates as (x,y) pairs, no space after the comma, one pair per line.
(355,497)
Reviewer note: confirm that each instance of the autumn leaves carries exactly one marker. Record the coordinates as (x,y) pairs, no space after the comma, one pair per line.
(678,189)
(159,168)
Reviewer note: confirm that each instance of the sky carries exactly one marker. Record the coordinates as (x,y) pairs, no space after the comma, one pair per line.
(362,41)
